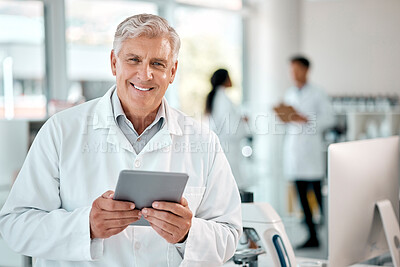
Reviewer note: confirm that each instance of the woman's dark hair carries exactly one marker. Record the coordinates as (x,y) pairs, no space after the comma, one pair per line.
(218,78)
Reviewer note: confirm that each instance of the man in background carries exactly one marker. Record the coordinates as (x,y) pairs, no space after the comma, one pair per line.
(304,161)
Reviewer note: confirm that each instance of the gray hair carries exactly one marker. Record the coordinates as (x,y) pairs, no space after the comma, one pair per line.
(147,25)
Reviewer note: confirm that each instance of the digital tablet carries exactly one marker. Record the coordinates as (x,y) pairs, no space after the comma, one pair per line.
(145,187)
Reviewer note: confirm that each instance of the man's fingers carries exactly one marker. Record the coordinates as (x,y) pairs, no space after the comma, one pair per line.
(171,237)
(164,219)
(184,202)
(172,221)
(164,225)
(109,217)
(109,194)
(118,223)
(114,205)
(175,208)
(113,215)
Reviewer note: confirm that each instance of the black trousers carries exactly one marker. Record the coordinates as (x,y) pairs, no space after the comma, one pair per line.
(302,188)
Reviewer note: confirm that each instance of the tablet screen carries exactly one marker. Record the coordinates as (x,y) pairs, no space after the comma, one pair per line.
(145,187)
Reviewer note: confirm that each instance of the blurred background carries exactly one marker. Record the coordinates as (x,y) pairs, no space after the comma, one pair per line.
(55,54)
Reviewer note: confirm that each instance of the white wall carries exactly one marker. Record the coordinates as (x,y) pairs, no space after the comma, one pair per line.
(272,32)
(354,44)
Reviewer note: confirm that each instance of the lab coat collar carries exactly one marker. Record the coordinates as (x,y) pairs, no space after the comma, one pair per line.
(172,120)
(103,114)
(104,118)
(160,140)
(303,89)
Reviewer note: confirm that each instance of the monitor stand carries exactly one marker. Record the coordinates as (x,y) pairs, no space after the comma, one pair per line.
(391,228)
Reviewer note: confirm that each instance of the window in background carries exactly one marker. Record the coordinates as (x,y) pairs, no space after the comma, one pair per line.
(211,39)
(90,27)
(225,4)
(22,60)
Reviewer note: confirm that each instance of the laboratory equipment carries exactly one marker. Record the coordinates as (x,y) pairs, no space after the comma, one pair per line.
(265,229)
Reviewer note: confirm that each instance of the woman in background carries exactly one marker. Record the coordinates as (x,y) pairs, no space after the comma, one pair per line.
(227,122)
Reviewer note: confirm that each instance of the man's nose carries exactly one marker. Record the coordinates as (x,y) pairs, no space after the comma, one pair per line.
(145,72)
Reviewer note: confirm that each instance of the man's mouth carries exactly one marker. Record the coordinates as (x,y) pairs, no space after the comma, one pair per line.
(142,88)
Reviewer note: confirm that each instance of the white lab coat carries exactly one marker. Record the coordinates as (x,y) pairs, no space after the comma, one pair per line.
(303,147)
(77,156)
(227,122)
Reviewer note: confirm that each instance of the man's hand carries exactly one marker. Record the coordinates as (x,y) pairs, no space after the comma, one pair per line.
(109,217)
(172,221)
(298,118)
(289,114)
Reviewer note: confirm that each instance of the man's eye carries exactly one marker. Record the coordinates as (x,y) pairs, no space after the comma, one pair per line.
(134,59)
(158,64)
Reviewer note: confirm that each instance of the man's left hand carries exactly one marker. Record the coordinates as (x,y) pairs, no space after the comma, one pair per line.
(172,221)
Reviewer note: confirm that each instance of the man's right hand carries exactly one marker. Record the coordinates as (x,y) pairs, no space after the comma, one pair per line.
(109,217)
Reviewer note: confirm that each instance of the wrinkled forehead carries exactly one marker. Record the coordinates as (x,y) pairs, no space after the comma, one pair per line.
(159,47)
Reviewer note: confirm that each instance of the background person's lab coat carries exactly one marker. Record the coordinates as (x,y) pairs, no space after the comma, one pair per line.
(303,146)
(228,123)
(78,155)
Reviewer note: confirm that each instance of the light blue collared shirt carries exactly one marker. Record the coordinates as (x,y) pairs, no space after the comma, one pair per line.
(137,141)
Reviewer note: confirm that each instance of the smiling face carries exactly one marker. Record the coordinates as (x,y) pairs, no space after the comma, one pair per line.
(143,68)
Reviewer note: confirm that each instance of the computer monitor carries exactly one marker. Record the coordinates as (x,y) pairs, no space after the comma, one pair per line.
(360,174)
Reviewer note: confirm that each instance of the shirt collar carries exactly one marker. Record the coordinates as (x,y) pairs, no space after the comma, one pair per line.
(119,111)
(104,109)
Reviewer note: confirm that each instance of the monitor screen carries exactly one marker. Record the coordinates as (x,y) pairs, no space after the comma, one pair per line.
(360,173)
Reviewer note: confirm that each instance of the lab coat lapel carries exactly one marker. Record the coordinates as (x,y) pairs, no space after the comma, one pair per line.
(104,119)
(159,141)
(117,138)
(163,138)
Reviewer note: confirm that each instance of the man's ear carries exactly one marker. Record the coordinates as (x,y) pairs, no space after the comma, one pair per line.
(173,71)
(113,61)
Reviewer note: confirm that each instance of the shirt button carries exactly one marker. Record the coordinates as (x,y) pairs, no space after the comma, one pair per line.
(139,139)
(137,163)
(137,245)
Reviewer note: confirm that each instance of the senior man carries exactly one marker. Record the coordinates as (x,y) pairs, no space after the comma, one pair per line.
(60,209)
